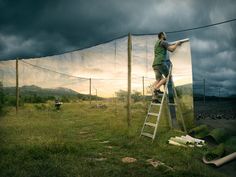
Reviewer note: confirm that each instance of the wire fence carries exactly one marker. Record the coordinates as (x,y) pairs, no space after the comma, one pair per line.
(201,88)
(100,70)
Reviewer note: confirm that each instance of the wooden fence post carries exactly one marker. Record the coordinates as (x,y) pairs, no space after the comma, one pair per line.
(17,86)
(90,90)
(129,81)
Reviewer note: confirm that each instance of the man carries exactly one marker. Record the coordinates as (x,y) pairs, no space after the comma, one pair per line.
(159,66)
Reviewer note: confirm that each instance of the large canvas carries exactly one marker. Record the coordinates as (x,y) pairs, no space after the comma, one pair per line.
(106,65)
(182,78)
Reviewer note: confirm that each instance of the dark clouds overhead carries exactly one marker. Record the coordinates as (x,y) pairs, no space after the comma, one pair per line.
(38,28)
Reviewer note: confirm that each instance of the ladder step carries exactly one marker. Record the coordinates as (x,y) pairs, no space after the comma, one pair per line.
(159,95)
(152,114)
(156,104)
(150,124)
(172,104)
(147,135)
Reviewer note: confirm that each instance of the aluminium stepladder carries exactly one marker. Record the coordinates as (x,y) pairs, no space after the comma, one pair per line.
(164,100)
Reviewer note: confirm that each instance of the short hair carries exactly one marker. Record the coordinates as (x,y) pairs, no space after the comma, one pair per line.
(160,34)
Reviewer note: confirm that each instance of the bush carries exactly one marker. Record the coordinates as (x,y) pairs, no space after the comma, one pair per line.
(34,99)
(10,100)
(65,99)
(41,107)
(136,96)
(121,95)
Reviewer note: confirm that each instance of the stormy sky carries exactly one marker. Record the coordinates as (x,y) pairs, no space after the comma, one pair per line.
(39,28)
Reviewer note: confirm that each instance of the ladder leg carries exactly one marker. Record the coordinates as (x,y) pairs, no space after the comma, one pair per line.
(146,119)
(163,99)
(179,107)
(168,110)
(162,102)
(172,106)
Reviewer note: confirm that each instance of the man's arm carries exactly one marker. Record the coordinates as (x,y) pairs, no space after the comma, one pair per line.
(172,47)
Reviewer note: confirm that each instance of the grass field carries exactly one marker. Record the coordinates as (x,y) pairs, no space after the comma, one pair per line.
(85,141)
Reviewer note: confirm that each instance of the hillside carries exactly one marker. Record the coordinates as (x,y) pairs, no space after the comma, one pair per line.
(34,94)
(43,92)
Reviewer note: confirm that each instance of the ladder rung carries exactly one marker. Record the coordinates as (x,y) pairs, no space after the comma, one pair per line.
(172,104)
(147,134)
(150,124)
(159,95)
(152,114)
(156,104)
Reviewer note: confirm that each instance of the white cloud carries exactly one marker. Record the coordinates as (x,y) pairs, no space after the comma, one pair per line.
(200,45)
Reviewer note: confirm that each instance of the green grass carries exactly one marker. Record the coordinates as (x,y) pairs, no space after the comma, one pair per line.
(48,143)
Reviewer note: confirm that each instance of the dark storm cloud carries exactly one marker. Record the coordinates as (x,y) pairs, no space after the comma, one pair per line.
(38,28)
(74,23)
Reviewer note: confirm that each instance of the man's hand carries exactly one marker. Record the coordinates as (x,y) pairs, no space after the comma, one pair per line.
(179,43)
(172,47)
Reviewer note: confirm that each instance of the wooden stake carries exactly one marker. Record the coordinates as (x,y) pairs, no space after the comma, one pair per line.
(17,87)
(96,97)
(129,81)
(90,90)
(204,91)
(143,84)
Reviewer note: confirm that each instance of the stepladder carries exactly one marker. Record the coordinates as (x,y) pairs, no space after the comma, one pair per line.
(155,109)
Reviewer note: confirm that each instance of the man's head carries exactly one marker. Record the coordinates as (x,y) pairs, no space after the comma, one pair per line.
(162,35)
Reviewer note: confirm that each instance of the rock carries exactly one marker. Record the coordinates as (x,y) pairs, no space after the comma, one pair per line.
(100,159)
(109,147)
(154,163)
(105,142)
(218,116)
(82,133)
(95,139)
(128,160)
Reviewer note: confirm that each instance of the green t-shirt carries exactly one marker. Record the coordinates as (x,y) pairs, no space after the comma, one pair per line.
(160,51)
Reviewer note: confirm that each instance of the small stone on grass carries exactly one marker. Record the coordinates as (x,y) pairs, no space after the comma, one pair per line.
(128,160)
(82,133)
(100,159)
(156,163)
(105,142)
(95,139)
(109,147)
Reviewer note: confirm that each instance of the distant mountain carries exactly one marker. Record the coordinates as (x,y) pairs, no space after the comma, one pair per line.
(35,94)
(43,92)
(30,88)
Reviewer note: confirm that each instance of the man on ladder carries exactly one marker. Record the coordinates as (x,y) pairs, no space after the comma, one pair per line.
(163,73)
(159,66)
